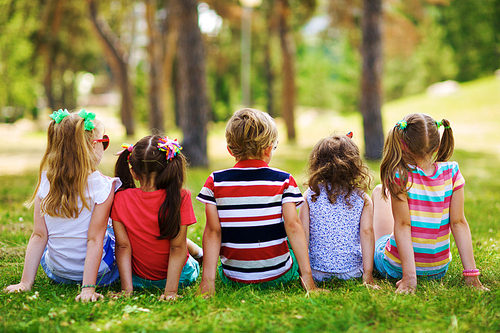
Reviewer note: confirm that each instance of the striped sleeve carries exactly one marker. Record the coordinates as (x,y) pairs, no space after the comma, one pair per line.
(458,179)
(206,194)
(291,192)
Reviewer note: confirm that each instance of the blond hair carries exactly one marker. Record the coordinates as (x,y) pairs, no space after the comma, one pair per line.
(68,161)
(336,164)
(249,132)
(415,137)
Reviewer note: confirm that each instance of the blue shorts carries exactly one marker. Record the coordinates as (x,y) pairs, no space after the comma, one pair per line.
(384,269)
(189,274)
(102,280)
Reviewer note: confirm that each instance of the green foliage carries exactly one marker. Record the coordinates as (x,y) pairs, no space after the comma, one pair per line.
(328,75)
(17,91)
(433,61)
(472,28)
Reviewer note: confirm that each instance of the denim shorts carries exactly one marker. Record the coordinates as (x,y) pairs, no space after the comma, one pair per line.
(189,274)
(386,271)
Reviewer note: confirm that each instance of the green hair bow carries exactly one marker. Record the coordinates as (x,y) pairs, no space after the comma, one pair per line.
(440,123)
(59,115)
(88,117)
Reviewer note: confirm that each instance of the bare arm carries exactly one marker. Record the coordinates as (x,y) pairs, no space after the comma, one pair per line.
(402,234)
(95,237)
(211,250)
(367,239)
(296,236)
(176,262)
(461,233)
(36,246)
(304,217)
(123,252)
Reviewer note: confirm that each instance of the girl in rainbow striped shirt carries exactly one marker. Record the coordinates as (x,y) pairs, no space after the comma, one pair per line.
(425,194)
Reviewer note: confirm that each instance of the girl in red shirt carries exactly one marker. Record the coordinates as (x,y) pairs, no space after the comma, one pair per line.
(151,222)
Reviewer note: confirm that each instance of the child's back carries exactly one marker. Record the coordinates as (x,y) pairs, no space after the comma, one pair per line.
(335,246)
(67,237)
(249,200)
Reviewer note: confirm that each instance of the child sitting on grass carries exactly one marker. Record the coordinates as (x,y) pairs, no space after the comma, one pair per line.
(151,222)
(338,215)
(251,213)
(418,205)
(72,201)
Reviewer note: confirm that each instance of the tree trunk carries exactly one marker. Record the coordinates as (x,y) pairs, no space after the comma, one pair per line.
(155,55)
(193,101)
(170,38)
(370,105)
(288,78)
(51,23)
(115,55)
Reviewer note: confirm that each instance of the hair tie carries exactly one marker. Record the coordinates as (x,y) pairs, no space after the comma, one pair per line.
(401,124)
(128,147)
(440,123)
(349,135)
(59,115)
(87,117)
(171,147)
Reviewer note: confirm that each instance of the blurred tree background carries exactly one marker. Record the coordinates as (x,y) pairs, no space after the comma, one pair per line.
(171,72)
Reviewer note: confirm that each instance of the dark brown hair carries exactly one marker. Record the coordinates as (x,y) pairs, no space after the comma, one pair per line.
(150,164)
(417,138)
(335,163)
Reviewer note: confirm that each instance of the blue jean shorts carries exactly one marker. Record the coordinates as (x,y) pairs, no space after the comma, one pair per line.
(189,274)
(384,269)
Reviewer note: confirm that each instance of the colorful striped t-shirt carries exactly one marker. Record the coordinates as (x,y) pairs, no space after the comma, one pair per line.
(429,200)
(249,199)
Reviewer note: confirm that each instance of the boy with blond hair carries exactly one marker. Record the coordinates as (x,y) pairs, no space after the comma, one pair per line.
(251,213)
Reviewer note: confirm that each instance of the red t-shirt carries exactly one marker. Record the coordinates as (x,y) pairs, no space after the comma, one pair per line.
(138,211)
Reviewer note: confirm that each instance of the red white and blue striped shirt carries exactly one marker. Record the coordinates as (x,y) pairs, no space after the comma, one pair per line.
(249,199)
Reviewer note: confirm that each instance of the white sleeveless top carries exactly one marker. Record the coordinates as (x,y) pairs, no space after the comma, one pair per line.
(67,238)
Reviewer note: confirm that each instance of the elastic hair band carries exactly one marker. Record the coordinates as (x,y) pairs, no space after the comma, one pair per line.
(401,124)
(471,272)
(128,147)
(349,134)
(440,123)
(171,147)
(88,286)
(59,115)
(87,117)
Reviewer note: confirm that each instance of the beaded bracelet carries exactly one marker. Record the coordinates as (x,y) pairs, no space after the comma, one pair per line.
(471,272)
(88,286)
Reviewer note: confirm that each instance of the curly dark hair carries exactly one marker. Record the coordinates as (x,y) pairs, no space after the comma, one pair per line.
(336,164)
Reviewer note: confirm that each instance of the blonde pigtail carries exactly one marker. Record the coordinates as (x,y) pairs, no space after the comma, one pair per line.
(447,143)
(392,163)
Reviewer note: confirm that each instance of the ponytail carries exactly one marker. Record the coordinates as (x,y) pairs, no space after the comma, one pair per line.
(447,143)
(393,163)
(171,180)
(122,170)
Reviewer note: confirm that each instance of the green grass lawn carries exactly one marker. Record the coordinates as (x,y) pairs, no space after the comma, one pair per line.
(437,306)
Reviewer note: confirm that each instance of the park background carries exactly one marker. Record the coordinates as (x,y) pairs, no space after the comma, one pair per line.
(124,61)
